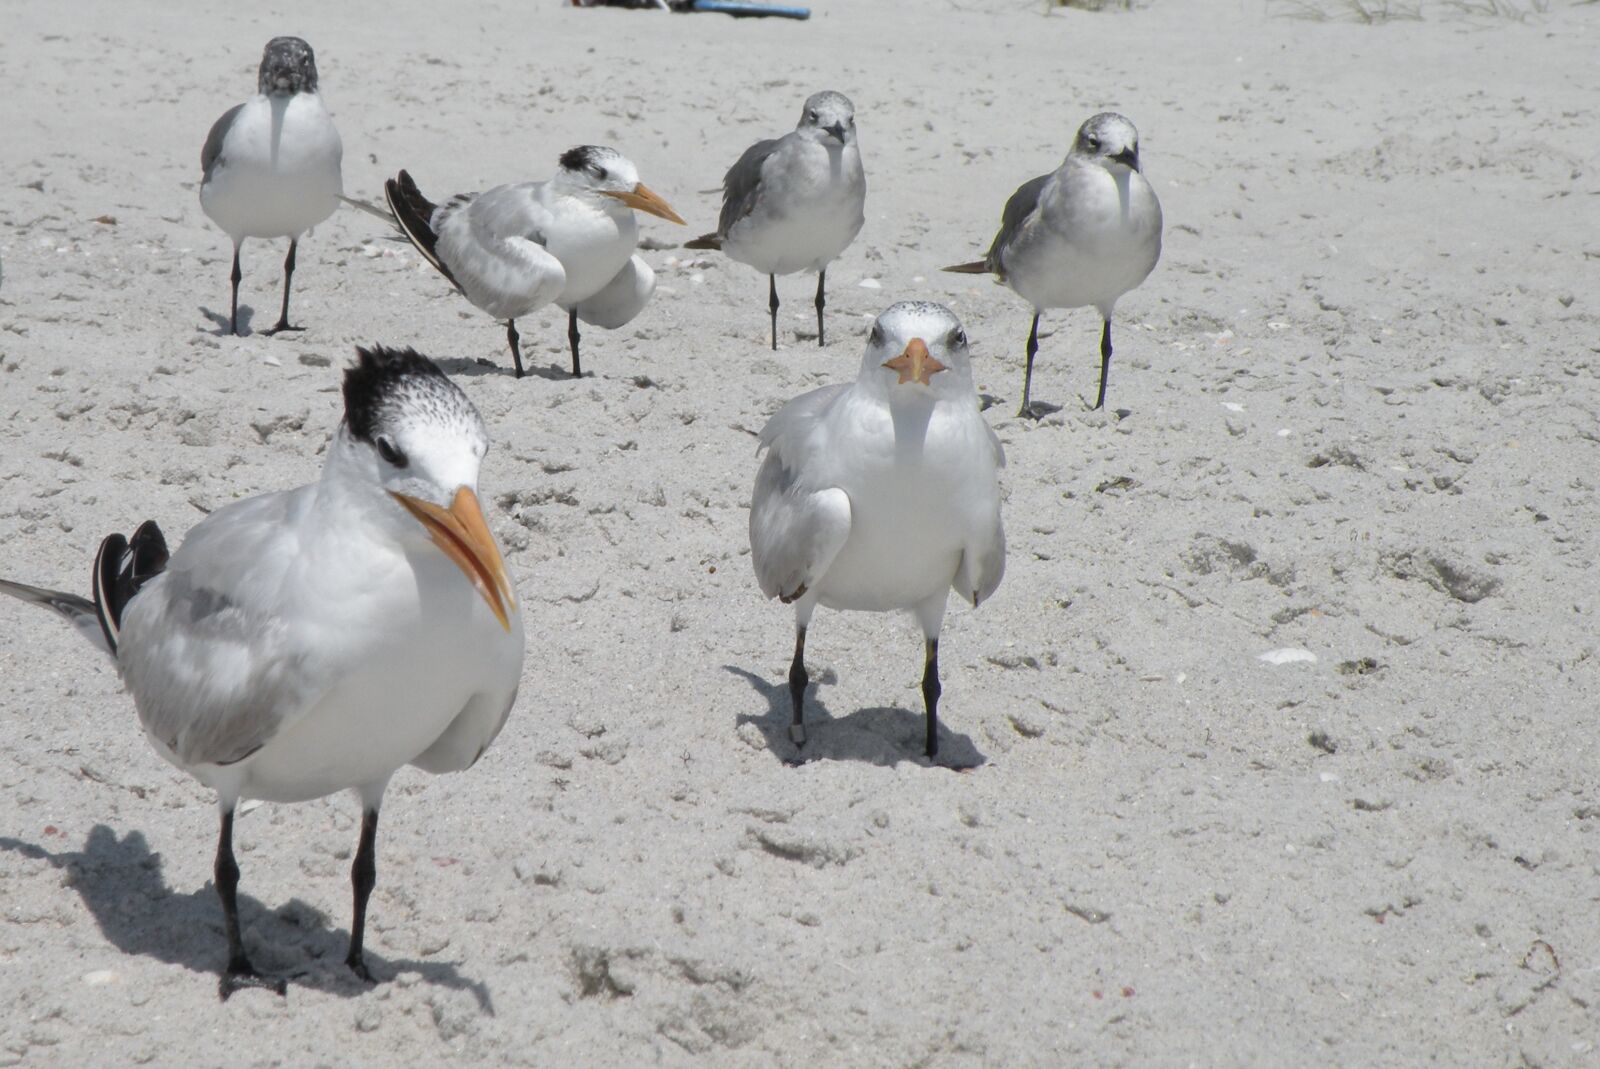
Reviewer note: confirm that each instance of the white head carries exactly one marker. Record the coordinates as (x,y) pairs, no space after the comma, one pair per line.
(604,174)
(829,119)
(412,432)
(917,349)
(1110,140)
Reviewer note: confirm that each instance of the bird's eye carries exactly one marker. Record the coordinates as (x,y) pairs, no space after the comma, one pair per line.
(598,172)
(1094,143)
(958,338)
(876,337)
(811,116)
(390,453)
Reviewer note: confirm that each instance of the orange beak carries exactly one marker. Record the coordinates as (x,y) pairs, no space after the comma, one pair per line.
(460,531)
(644,199)
(915,365)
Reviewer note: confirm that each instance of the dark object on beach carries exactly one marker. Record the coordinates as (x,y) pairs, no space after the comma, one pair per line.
(739,9)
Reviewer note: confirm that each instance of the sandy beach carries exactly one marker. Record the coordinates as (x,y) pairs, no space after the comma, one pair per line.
(1353,415)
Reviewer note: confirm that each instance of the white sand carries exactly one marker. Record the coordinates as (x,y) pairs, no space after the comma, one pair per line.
(1355,413)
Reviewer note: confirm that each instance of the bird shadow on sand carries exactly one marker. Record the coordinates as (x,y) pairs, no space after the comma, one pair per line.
(219,320)
(882,735)
(474,367)
(120,882)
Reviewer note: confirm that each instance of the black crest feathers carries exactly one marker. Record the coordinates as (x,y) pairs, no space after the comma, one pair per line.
(580,158)
(379,373)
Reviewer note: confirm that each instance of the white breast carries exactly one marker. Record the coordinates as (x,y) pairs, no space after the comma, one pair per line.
(1098,235)
(279,170)
(811,211)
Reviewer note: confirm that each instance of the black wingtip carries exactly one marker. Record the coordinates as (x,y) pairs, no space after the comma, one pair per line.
(413,214)
(121,568)
(106,562)
(976,267)
(705,241)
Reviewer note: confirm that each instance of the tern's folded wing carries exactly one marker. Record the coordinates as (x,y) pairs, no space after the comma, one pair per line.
(460,745)
(741,187)
(983,552)
(620,299)
(494,246)
(983,562)
(211,650)
(796,526)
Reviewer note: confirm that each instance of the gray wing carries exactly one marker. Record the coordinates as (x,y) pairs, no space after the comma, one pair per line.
(741,187)
(1021,209)
(797,526)
(209,648)
(213,147)
(494,245)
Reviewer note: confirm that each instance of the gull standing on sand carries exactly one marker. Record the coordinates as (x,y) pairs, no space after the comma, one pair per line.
(883,493)
(795,203)
(519,247)
(270,166)
(315,639)
(1084,234)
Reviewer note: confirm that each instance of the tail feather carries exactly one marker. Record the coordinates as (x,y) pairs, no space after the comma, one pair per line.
(370,209)
(976,267)
(78,612)
(413,213)
(121,568)
(705,241)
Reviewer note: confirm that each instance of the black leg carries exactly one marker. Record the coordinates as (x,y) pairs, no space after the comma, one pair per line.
(363,875)
(797,686)
(1027,371)
(288,276)
(772,306)
(239,973)
(822,280)
(572,340)
(1105,362)
(233,308)
(930,695)
(516,345)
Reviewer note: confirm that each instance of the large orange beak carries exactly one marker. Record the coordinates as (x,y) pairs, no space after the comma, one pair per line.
(644,199)
(915,365)
(461,532)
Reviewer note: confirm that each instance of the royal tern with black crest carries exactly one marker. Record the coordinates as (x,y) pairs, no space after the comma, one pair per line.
(519,247)
(270,166)
(883,493)
(796,202)
(311,640)
(1085,234)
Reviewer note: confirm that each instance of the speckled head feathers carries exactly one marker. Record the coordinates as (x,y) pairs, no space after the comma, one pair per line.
(935,325)
(391,386)
(287,67)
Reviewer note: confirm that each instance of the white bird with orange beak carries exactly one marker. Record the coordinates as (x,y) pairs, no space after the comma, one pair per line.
(516,248)
(311,640)
(883,493)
